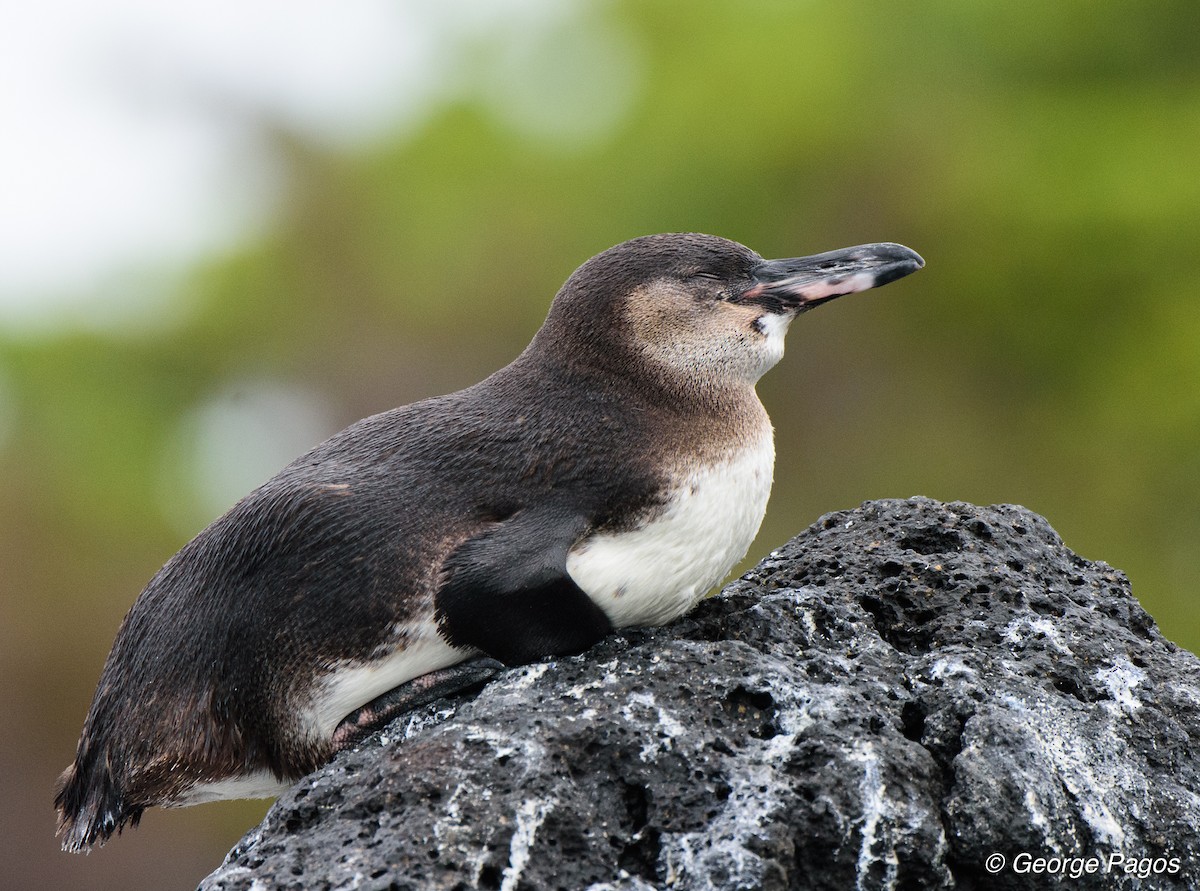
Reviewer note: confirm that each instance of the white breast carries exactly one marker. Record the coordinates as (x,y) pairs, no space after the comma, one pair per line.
(659,572)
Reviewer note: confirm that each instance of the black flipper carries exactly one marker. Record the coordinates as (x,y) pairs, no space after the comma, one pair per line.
(508,593)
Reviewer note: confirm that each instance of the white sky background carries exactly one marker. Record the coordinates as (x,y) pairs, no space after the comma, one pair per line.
(129,143)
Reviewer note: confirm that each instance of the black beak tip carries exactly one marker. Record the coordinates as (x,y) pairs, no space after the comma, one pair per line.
(913,256)
(902,255)
(895,262)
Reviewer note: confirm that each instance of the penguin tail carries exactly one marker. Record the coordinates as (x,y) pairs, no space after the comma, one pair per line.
(91,806)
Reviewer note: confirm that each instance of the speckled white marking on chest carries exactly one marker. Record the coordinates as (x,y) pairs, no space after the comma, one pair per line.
(659,572)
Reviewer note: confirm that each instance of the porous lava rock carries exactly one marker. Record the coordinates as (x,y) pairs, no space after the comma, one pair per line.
(909,695)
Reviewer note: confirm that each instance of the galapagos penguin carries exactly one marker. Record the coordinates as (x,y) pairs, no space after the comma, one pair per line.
(609,476)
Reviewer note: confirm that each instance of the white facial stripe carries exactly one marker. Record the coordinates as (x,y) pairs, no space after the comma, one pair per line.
(774,325)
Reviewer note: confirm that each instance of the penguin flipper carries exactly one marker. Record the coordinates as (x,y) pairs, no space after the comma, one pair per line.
(508,594)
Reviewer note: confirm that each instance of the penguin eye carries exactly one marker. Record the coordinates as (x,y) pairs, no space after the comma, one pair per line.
(707,276)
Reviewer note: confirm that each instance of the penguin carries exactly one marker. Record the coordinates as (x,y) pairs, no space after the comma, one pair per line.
(609,476)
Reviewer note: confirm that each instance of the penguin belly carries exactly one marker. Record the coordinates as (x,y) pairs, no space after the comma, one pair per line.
(657,572)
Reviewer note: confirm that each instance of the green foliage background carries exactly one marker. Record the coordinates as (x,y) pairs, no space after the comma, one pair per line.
(1042,157)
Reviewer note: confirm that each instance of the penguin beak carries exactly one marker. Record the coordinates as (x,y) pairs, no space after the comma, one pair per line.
(801,283)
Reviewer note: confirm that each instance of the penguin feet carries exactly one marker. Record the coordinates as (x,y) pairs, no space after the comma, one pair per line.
(385,708)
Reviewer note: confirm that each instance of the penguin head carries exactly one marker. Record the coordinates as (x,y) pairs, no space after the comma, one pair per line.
(698,311)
